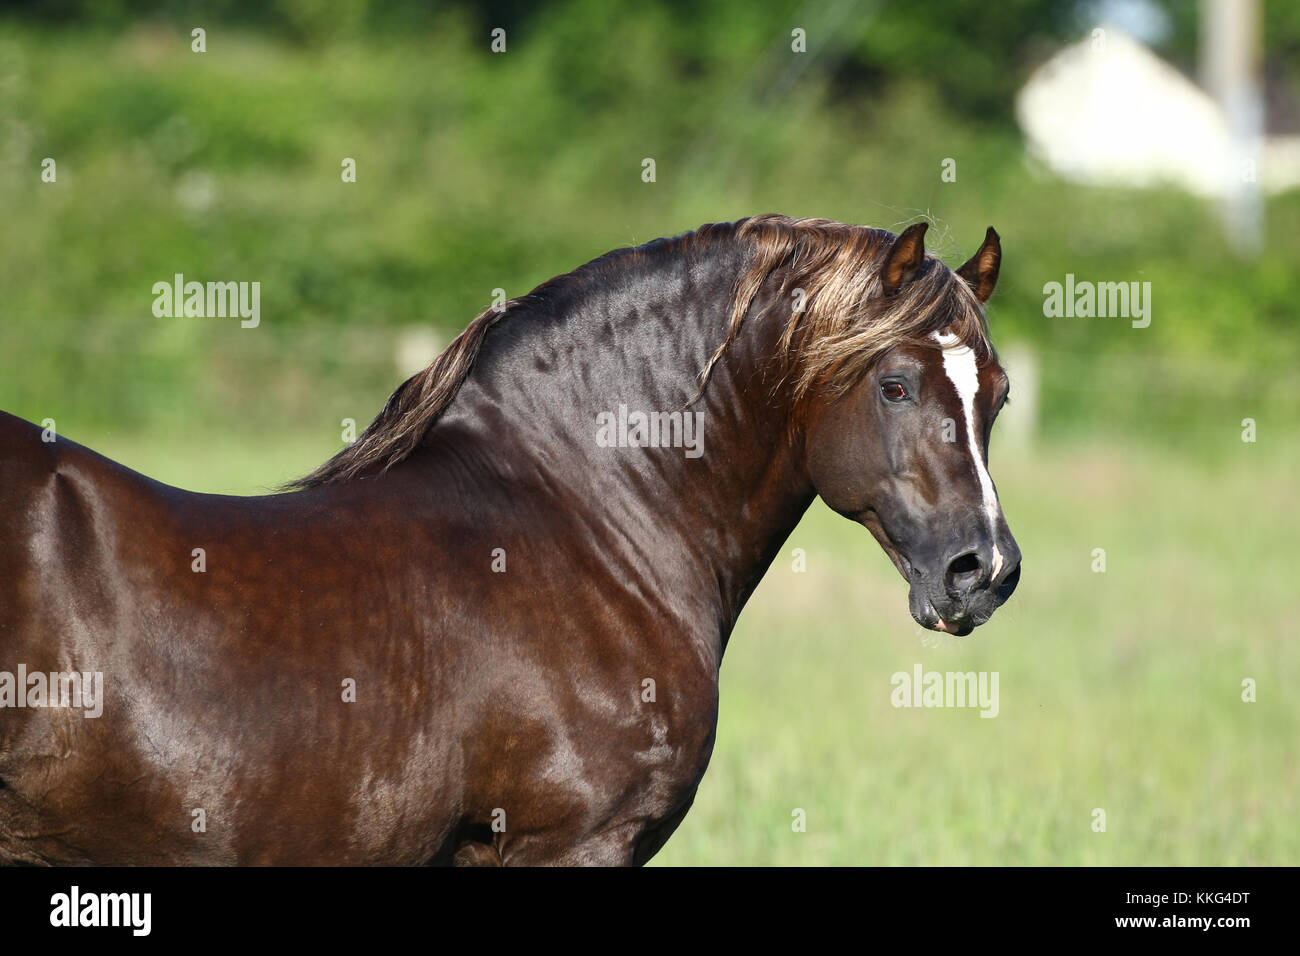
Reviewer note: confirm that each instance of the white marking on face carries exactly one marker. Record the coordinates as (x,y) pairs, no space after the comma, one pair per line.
(959,364)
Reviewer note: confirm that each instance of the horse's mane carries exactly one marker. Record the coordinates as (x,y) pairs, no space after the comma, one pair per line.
(843,326)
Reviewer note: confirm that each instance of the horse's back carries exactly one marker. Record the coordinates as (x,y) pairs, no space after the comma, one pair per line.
(229,633)
(40,469)
(62,510)
(40,509)
(27,465)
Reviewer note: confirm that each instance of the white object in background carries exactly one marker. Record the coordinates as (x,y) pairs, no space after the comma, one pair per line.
(417,346)
(1016,425)
(1108,111)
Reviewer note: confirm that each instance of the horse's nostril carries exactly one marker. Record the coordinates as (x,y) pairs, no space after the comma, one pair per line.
(965,564)
(1008,585)
(964,573)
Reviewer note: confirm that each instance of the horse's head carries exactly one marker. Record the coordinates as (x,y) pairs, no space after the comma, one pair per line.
(904,449)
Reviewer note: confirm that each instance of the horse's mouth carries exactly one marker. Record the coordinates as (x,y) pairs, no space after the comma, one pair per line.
(957,621)
(923,610)
(960,617)
(925,614)
(955,629)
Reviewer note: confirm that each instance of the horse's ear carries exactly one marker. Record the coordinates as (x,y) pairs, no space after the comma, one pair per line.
(904,259)
(981,269)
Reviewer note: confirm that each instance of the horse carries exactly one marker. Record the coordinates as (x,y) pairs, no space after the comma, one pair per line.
(489,631)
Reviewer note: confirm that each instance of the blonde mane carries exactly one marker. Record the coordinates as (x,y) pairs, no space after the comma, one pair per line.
(840,323)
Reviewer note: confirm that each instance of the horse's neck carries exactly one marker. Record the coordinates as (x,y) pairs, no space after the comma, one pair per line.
(550,406)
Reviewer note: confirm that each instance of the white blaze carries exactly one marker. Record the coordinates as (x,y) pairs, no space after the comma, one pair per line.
(959,363)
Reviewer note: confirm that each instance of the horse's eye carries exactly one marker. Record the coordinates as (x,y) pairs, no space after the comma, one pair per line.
(893,391)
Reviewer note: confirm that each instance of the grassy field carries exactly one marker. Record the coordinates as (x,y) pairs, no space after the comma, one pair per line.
(1118,690)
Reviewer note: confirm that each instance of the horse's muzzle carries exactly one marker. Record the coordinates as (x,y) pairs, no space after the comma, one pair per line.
(970,588)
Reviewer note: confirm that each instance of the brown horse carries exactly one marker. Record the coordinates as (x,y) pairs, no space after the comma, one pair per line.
(490,630)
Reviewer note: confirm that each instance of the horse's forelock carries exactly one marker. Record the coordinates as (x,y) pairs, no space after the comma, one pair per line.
(840,323)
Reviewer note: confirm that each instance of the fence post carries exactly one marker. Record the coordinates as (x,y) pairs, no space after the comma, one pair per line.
(1019,419)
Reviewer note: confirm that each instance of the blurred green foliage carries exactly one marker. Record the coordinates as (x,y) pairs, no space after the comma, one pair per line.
(479,170)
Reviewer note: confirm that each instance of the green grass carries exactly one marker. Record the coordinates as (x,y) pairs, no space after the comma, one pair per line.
(1119,690)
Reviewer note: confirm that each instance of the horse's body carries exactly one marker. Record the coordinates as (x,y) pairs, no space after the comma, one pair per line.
(445,657)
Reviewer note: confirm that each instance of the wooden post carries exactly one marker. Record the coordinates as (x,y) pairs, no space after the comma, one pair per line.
(1230,69)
